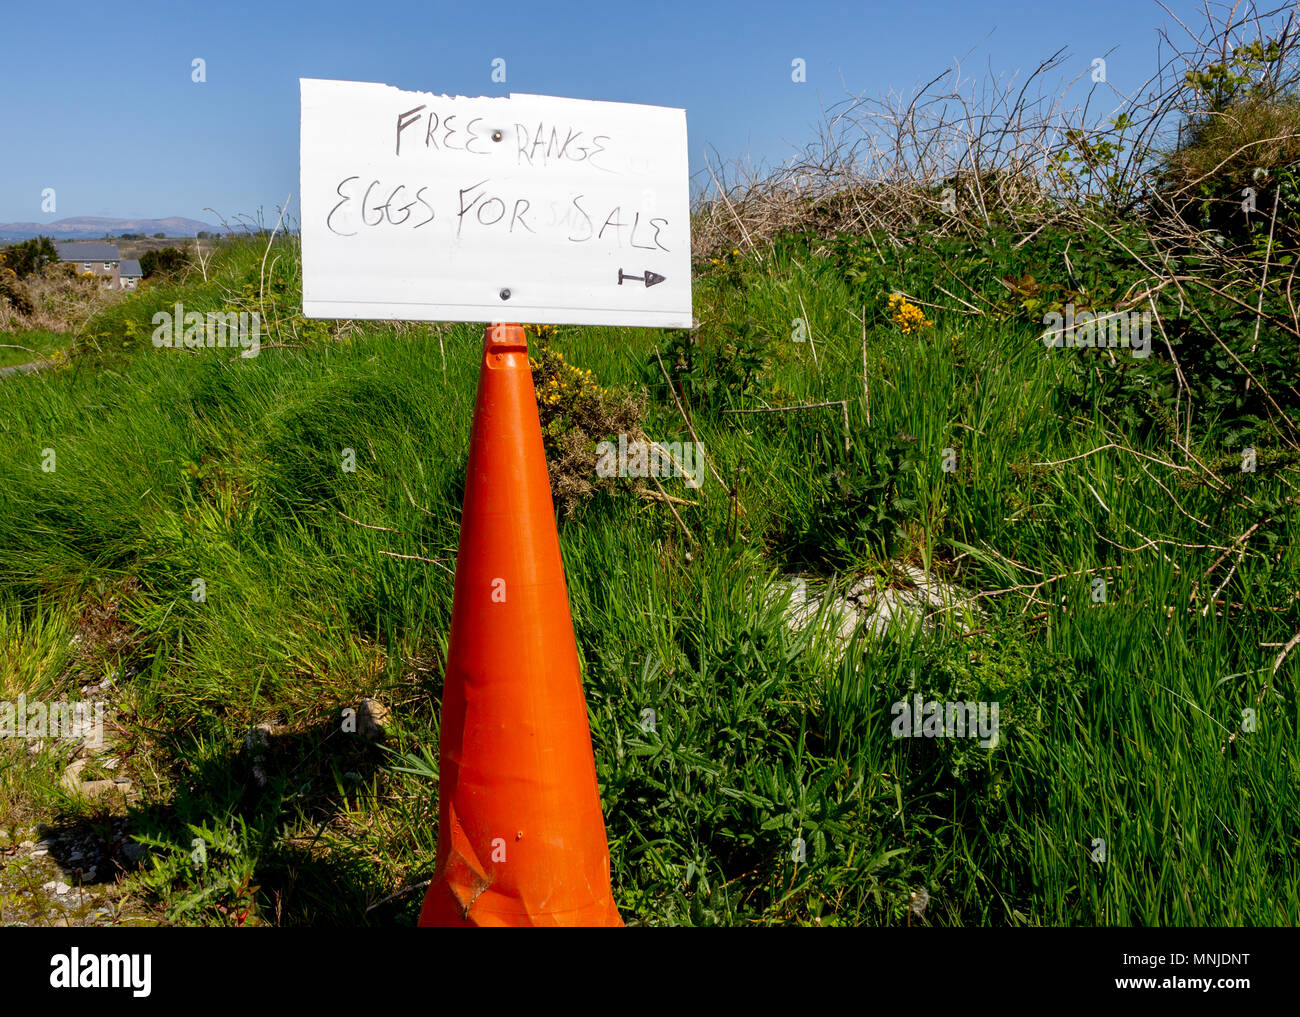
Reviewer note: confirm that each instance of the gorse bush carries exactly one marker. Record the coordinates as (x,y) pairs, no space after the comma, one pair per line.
(56,297)
(169,261)
(28,256)
(576,415)
(14,293)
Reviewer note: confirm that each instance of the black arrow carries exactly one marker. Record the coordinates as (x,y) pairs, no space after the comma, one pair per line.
(647,277)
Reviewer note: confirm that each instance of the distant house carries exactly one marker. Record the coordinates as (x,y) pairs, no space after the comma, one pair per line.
(99,260)
(129,273)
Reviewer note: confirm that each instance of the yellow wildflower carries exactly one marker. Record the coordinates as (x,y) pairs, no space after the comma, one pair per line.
(908,317)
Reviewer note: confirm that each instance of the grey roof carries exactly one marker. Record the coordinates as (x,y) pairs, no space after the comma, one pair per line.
(130,268)
(87,252)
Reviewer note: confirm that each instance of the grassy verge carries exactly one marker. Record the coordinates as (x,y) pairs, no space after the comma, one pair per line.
(33,346)
(202,540)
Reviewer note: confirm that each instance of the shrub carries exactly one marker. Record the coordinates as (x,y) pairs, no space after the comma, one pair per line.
(29,256)
(1232,167)
(576,414)
(169,261)
(711,367)
(14,292)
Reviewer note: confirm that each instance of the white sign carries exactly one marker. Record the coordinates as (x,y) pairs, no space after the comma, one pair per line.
(529,208)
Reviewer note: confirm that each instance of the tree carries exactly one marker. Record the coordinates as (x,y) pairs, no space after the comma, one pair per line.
(29,256)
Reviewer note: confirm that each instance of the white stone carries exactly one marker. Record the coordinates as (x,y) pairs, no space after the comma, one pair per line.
(879,610)
(71,780)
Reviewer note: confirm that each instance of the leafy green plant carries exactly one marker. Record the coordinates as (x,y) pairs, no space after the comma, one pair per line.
(856,506)
(714,367)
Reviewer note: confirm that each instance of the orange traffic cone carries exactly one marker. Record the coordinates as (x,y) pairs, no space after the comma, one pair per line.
(521,839)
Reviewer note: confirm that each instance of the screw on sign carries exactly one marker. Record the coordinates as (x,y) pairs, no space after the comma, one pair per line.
(436,210)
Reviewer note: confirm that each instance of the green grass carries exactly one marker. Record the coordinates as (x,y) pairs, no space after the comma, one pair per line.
(173,467)
(30,346)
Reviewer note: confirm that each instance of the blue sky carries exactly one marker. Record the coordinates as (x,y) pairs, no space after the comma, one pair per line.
(103,108)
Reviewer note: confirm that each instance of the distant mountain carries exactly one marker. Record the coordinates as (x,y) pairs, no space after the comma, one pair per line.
(89,227)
